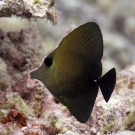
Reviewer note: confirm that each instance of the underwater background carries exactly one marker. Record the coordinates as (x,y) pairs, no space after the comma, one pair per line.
(26,106)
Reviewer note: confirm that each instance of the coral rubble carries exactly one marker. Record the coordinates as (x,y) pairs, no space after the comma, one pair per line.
(27,107)
(29,9)
(20,52)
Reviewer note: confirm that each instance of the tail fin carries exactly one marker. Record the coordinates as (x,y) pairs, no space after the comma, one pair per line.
(107,83)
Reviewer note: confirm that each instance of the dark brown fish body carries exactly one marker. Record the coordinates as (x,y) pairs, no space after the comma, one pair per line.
(72,72)
(63,78)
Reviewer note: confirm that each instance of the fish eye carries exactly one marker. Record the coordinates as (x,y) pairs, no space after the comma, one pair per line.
(48,61)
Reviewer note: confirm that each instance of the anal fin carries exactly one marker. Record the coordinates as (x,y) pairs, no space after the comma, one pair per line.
(81,107)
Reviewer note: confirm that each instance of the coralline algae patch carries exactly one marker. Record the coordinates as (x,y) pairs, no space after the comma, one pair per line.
(43,115)
(29,9)
(126,86)
(20,52)
(27,100)
(126,80)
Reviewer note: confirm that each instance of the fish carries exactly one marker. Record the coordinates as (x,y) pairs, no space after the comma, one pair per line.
(72,72)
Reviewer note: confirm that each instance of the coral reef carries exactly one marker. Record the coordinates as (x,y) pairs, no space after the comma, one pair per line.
(29,9)
(27,107)
(46,116)
(116,20)
(20,52)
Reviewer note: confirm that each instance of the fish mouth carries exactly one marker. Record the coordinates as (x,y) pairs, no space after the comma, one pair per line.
(34,75)
(40,74)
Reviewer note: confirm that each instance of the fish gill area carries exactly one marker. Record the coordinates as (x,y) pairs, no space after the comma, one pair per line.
(29,30)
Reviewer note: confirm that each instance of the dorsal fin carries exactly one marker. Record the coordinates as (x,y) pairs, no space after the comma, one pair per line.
(86,40)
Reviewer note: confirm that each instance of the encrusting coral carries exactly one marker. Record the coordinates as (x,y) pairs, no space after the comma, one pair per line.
(20,52)
(29,9)
(27,100)
(27,107)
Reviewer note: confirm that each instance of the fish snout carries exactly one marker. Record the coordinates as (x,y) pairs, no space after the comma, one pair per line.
(33,75)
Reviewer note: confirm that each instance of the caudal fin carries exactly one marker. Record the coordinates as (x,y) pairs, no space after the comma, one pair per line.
(107,83)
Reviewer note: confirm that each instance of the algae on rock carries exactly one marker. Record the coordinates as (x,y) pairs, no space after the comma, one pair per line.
(29,9)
